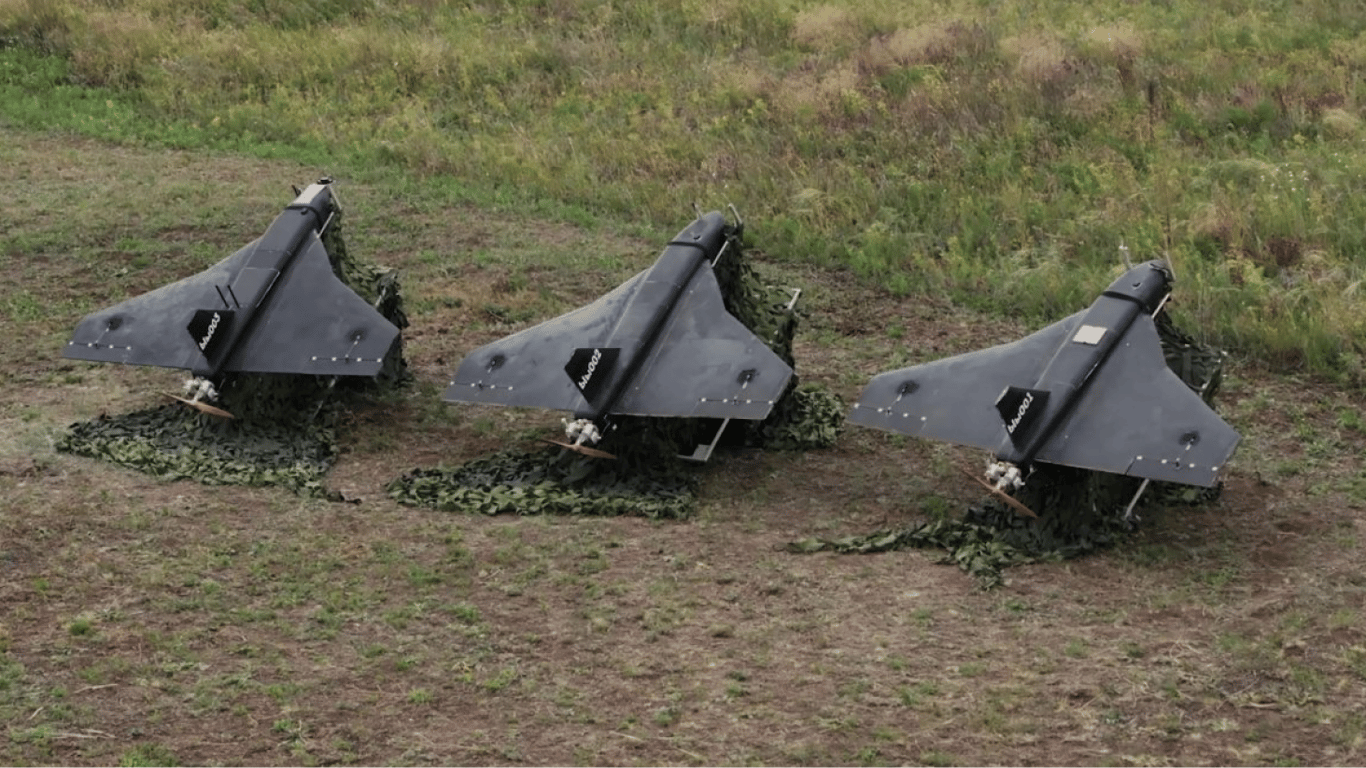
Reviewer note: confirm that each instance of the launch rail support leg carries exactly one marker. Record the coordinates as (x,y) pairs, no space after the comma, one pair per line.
(703,452)
(1130,518)
(323,400)
(796,293)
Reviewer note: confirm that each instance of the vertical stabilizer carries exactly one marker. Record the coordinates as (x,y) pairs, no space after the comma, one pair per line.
(591,369)
(1020,409)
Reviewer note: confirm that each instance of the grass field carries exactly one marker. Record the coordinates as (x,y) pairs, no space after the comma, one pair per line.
(936,177)
(997,153)
(151,622)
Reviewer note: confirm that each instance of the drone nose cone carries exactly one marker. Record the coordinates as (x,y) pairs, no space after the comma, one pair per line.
(1148,284)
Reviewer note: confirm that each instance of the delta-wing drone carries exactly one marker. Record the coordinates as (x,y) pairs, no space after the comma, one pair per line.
(275,306)
(1091,391)
(660,344)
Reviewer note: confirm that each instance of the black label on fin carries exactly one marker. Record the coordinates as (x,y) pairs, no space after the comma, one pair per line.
(590,369)
(208,328)
(1020,409)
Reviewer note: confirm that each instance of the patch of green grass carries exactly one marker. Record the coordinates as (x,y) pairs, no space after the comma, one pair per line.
(666,716)
(504,678)
(854,688)
(914,695)
(39,737)
(1354,657)
(937,507)
(148,755)
(869,755)
(1351,419)
(1220,578)
(419,696)
(937,758)
(971,668)
(1076,648)
(81,627)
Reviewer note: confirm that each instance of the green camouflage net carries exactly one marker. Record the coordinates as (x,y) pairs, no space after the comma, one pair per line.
(1078,510)
(646,479)
(552,481)
(285,430)
(174,442)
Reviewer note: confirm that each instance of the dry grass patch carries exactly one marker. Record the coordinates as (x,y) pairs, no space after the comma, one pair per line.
(1117,45)
(825,28)
(1039,58)
(1341,123)
(940,42)
(98,61)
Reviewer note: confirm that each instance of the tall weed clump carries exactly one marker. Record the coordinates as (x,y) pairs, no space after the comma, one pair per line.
(1000,153)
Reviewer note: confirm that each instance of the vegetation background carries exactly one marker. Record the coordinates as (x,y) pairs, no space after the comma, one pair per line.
(936,175)
(998,152)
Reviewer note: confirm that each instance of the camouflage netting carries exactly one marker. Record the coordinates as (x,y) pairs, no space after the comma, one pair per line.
(285,430)
(646,478)
(1078,510)
(555,481)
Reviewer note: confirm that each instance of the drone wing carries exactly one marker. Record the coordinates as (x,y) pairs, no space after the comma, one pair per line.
(1134,416)
(151,329)
(954,399)
(309,322)
(528,367)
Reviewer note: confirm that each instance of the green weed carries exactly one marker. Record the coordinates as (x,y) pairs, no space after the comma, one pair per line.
(148,755)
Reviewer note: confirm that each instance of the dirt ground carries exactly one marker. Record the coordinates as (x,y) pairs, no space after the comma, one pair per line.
(148,622)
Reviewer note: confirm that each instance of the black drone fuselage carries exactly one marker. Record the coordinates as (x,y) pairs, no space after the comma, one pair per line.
(1032,414)
(218,331)
(603,373)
